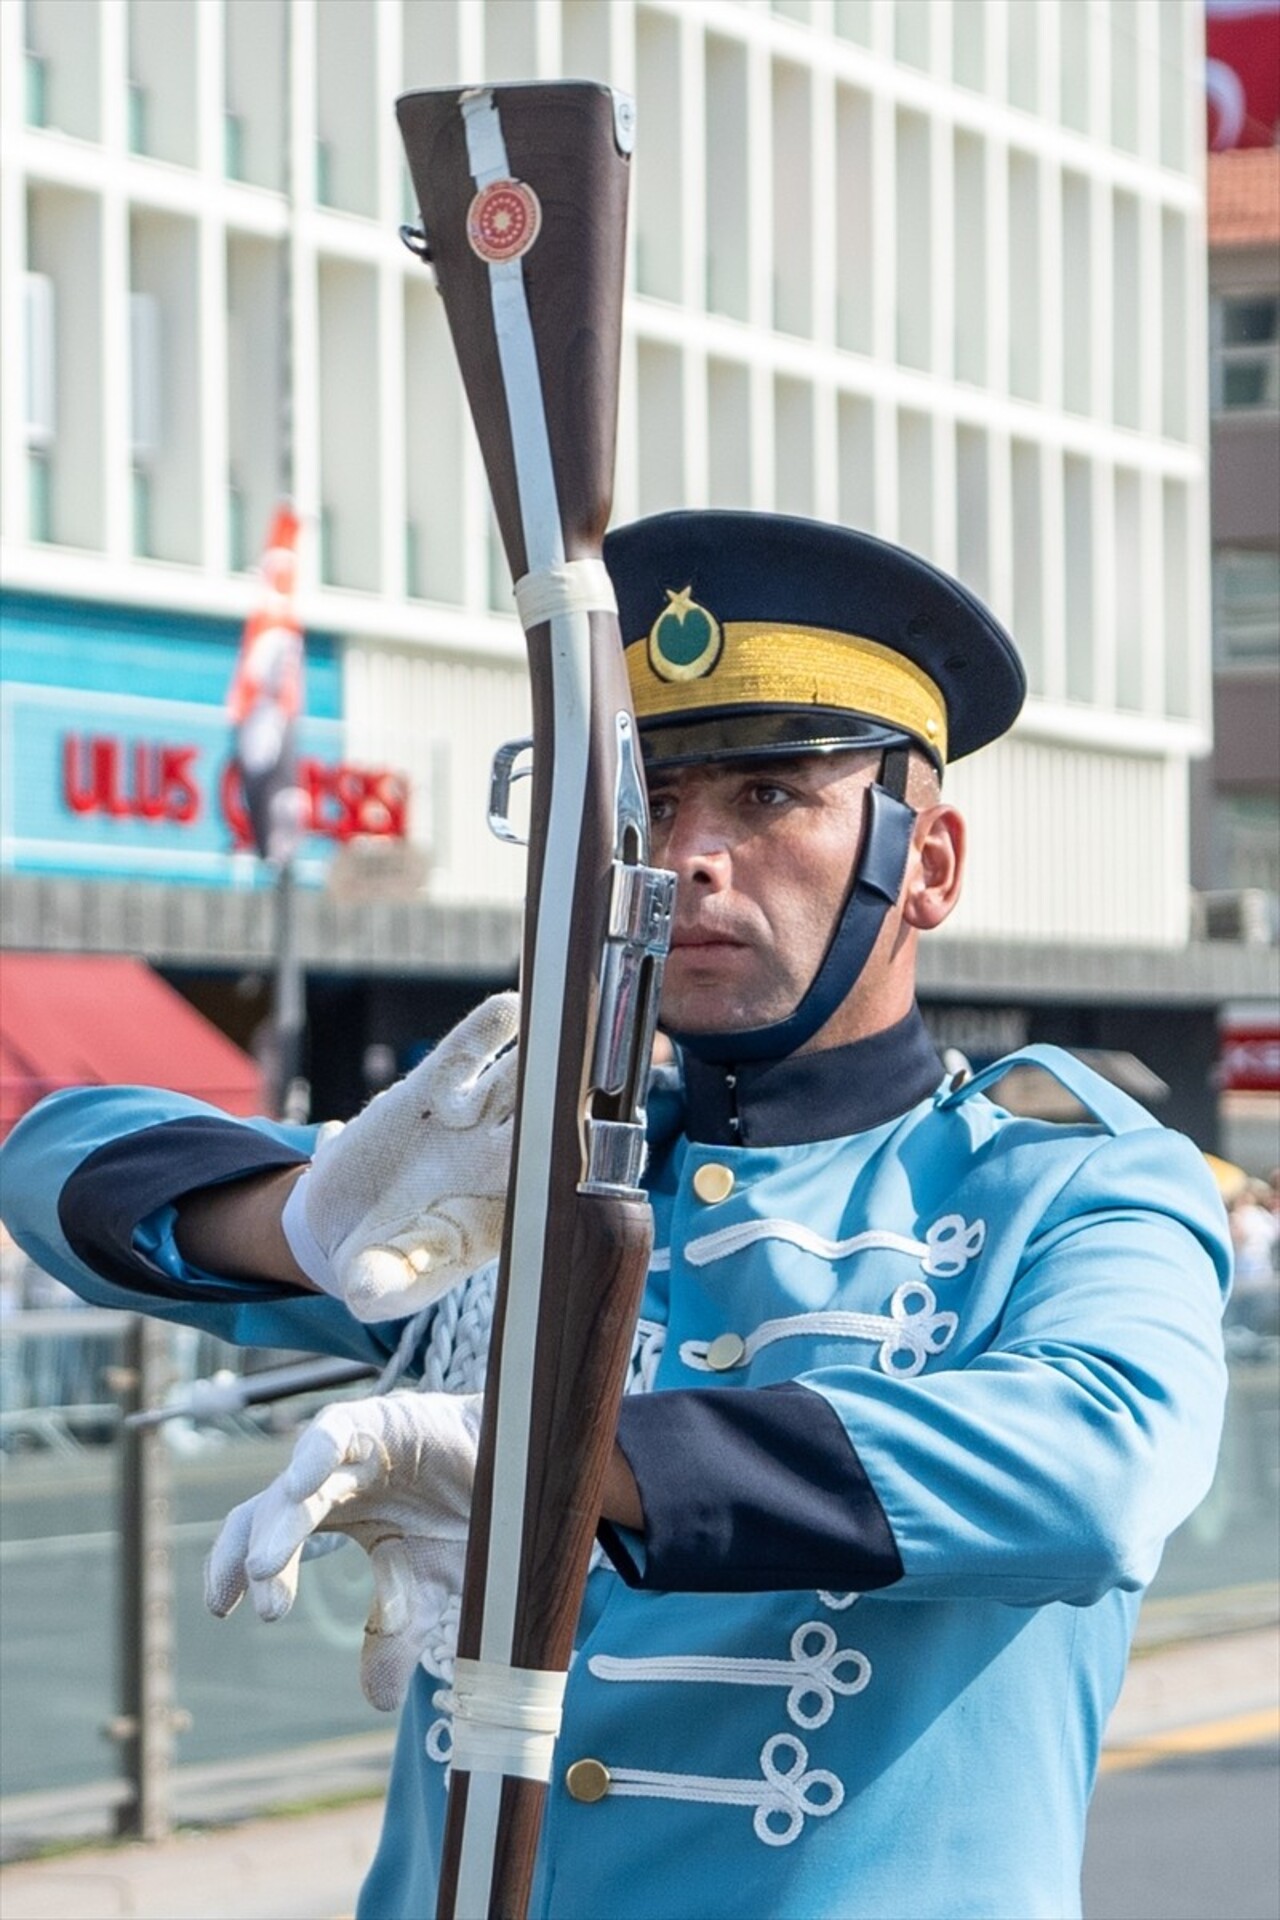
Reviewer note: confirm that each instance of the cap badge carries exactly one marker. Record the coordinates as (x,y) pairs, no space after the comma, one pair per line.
(503,220)
(685,641)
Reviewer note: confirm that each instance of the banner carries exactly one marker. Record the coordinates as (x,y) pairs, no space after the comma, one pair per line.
(1242,72)
(265,700)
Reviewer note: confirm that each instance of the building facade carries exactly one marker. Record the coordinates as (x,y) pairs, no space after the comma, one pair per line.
(1236,792)
(931,267)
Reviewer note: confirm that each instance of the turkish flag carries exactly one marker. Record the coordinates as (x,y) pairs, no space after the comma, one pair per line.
(1242,72)
(265,699)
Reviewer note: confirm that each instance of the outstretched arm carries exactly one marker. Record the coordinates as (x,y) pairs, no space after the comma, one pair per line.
(236,1229)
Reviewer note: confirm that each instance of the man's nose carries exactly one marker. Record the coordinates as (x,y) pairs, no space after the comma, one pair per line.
(695,844)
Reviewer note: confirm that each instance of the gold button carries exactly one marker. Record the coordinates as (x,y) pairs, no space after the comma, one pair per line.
(713,1182)
(726,1352)
(587,1780)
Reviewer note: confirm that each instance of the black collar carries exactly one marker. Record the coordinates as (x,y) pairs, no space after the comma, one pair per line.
(812,1096)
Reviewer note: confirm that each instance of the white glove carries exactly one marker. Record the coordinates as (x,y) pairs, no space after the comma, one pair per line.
(394,1473)
(407,1199)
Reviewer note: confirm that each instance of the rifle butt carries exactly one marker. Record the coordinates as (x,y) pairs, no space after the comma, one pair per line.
(563,142)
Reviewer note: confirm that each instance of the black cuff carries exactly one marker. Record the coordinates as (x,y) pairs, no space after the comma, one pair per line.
(749,1491)
(115,1188)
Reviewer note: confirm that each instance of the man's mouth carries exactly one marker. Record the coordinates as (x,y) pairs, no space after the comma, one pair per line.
(695,939)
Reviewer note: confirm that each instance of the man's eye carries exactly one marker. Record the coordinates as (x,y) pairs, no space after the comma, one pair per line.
(661,806)
(767,793)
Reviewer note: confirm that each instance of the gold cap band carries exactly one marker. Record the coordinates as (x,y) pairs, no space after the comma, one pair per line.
(764,664)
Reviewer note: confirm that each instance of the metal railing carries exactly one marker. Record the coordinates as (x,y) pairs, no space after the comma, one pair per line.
(107,1667)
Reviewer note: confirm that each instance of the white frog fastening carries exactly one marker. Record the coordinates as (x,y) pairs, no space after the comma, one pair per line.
(908,1334)
(944,1253)
(818,1670)
(788,1792)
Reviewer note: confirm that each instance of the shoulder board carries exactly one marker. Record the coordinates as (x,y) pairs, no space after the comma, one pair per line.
(1118,1112)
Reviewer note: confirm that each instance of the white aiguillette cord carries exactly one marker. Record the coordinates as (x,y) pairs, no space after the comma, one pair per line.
(577,586)
(505,1719)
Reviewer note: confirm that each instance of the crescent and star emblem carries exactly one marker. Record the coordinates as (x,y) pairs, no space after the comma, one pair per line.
(686,640)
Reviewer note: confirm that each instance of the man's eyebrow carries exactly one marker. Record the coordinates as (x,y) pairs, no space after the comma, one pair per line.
(785,766)
(780,766)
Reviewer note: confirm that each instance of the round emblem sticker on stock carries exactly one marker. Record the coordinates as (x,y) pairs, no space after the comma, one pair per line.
(503,220)
(685,640)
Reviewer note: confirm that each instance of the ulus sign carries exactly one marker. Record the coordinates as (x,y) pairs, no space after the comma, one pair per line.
(168,783)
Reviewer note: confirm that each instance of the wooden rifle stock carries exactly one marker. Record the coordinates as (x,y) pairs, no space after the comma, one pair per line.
(523,196)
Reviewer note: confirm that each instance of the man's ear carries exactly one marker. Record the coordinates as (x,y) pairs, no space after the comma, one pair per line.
(935,868)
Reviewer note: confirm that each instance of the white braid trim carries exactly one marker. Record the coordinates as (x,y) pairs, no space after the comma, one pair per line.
(819,1669)
(456,1359)
(438,1656)
(909,1333)
(647,1350)
(407,1345)
(788,1792)
(944,1253)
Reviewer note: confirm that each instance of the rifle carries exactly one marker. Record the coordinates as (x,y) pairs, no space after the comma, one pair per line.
(522,191)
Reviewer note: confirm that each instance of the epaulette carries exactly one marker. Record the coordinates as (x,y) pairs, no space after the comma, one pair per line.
(1112,1108)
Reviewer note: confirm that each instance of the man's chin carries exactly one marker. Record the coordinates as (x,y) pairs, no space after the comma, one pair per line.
(698,1015)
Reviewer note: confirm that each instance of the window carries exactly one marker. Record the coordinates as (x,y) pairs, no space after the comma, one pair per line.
(1246,594)
(39,399)
(144,412)
(1245,843)
(39,372)
(138,118)
(37,88)
(1246,353)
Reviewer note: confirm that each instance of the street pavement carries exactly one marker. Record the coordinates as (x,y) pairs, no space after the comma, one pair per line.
(1184,1825)
(1194,1838)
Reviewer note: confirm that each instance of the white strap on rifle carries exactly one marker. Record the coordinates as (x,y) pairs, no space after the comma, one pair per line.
(505,1719)
(579,586)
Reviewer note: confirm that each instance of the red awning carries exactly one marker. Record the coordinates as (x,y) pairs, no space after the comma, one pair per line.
(73,1020)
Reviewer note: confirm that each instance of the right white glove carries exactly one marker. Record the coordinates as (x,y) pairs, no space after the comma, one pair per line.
(394,1473)
(407,1199)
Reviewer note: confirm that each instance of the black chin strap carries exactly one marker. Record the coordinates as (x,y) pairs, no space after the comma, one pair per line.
(876,884)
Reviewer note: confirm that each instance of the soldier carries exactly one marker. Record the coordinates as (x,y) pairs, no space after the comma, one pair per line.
(921,1388)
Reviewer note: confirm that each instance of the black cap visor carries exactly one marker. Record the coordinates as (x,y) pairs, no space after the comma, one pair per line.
(762,733)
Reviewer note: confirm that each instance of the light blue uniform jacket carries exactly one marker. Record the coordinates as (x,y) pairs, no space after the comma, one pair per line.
(1017,1329)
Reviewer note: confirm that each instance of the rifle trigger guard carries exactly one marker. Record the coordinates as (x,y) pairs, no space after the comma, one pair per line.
(502,777)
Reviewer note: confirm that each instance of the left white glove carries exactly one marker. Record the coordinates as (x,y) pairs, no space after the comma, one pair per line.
(394,1473)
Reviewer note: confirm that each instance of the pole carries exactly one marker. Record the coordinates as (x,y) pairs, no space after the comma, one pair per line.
(147,1722)
(292,1095)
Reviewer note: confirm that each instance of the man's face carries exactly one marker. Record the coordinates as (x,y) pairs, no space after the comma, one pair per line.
(763,852)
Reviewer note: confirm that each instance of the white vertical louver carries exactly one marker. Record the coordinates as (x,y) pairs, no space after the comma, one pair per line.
(438,718)
(1072,845)
(144,378)
(39,398)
